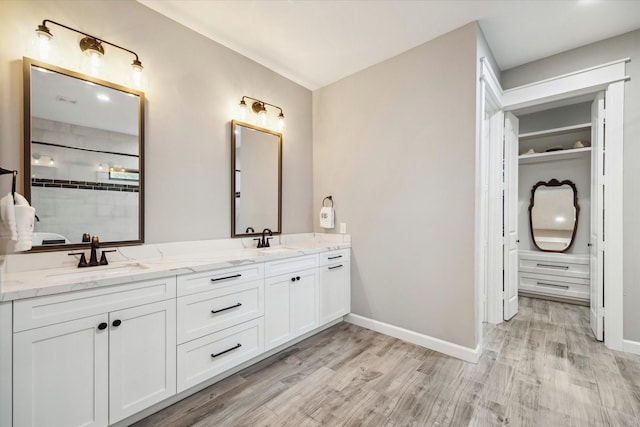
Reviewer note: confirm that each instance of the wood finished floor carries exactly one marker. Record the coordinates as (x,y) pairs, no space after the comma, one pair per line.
(542,368)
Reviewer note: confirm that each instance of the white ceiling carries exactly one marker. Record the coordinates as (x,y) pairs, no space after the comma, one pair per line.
(316,42)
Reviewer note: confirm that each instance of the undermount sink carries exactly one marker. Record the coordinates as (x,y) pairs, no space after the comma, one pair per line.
(96,272)
(274,251)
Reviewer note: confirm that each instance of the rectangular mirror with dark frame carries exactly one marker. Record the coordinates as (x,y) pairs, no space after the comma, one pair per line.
(83,158)
(256,180)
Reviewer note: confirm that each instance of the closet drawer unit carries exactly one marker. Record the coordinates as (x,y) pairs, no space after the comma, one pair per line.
(207,312)
(215,279)
(47,310)
(575,288)
(290,265)
(334,257)
(558,265)
(206,357)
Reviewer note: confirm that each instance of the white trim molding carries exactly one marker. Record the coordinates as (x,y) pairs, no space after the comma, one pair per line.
(581,82)
(632,347)
(455,350)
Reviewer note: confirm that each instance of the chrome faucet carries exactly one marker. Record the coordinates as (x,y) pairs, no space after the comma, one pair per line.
(264,241)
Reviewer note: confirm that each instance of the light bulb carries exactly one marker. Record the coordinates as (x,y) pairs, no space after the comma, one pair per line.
(242,110)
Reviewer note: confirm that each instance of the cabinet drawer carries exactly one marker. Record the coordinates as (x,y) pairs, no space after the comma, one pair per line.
(290,265)
(218,309)
(550,285)
(47,310)
(215,279)
(206,357)
(333,257)
(571,267)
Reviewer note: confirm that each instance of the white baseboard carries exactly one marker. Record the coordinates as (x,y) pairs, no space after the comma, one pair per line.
(455,350)
(629,346)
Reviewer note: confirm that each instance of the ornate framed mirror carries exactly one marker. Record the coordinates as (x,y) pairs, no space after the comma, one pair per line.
(553,215)
(256,180)
(83,158)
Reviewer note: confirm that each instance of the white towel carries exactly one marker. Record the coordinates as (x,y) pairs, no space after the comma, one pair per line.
(25,219)
(327,217)
(8,229)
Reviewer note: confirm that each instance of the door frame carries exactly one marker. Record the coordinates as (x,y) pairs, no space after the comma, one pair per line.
(610,78)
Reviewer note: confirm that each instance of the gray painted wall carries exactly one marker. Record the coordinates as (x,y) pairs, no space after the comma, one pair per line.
(626,45)
(194,88)
(395,147)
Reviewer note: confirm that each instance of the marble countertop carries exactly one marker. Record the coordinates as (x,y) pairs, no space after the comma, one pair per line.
(154,261)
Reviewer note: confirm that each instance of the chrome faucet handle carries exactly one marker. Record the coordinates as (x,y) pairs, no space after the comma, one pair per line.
(83,259)
(103,257)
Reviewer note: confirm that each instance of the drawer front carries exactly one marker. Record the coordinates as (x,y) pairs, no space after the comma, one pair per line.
(41,311)
(555,267)
(550,285)
(204,313)
(200,282)
(206,357)
(335,257)
(290,265)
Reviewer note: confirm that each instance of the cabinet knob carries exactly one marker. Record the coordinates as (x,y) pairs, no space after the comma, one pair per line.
(297,277)
(116,323)
(102,326)
(293,279)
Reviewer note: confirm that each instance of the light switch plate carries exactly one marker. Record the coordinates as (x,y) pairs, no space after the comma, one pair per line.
(343,228)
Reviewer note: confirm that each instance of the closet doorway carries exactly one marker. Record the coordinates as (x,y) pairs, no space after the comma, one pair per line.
(553,132)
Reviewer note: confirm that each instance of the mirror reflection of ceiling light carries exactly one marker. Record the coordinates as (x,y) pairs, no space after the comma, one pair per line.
(560,219)
(103,97)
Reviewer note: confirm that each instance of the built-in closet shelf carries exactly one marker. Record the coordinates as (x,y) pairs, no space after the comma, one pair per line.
(554,155)
(556,131)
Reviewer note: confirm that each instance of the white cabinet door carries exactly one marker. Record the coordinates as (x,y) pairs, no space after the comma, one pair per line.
(61,374)
(335,291)
(142,354)
(277,311)
(291,306)
(304,301)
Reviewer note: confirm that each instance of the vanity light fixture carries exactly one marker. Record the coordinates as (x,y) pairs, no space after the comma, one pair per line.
(259,108)
(90,45)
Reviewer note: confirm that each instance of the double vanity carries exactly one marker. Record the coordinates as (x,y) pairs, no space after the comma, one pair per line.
(106,345)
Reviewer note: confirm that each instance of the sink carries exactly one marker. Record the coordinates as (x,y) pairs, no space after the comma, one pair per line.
(274,251)
(96,272)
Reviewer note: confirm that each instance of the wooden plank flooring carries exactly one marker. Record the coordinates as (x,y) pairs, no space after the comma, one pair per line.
(542,368)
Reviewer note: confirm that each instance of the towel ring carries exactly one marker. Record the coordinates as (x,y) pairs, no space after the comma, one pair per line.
(330,198)
(4,171)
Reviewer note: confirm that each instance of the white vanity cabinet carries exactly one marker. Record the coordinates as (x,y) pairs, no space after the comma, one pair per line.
(220,322)
(554,274)
(291,299)
(74,369)
(335,285)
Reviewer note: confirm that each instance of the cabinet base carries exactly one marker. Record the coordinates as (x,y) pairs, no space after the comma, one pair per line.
(554,298)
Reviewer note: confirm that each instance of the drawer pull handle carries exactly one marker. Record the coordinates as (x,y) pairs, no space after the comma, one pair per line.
(227,350)
(335,257)
(226,308)
(335,266)
(561,267)
(102,326)
(553,285)
(226,277)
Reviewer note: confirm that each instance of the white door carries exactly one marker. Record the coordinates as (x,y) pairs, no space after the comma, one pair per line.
(142,354)
(510,215)
(61,374)
(304,301)
(596,249)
